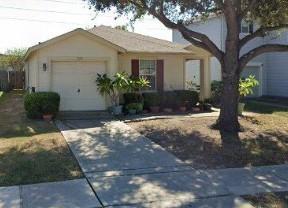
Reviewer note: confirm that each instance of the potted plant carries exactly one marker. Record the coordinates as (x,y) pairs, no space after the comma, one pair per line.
(207,106)
(133,95)
(134,108)
(152,102)
(48,111)
(169,101)
(113,88)
(182,108)
(246,88)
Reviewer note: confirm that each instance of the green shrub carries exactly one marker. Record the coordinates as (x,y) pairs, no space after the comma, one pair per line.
(187,97)
(169,99)
(135,106)
(132,97)
(151,99)
(36,104)
(216,92)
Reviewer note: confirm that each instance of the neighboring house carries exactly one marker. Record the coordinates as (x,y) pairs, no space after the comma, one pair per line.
(68,64)
(270,69)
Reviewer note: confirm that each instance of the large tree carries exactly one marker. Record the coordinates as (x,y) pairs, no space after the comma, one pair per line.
(270,15)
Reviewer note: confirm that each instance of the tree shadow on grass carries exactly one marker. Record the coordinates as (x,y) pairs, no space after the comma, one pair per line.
(202,151)
(139,172)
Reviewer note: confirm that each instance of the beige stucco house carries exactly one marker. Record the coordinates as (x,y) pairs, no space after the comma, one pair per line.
(68,64)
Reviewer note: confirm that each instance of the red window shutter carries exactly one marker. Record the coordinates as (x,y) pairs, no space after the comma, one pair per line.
(135,67)
(160,75)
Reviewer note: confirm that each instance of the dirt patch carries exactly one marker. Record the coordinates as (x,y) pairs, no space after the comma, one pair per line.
(271,200)
(264,141)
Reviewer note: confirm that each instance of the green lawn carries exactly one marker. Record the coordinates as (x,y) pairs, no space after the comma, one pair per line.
(31,151)
(256,107)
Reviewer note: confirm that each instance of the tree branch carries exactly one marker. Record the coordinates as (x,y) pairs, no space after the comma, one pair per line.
(196,38)
(261,32)
(246,58)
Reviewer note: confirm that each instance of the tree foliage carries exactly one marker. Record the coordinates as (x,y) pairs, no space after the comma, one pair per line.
(271,15)
(14,58)
(247,85)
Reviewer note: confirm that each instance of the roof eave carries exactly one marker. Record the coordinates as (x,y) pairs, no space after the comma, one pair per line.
(63,36)
(163,52)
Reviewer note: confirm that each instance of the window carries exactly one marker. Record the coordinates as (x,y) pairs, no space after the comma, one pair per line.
(246,27)
(147,70)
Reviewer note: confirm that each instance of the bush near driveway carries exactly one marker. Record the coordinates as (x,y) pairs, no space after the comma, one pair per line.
(36,104)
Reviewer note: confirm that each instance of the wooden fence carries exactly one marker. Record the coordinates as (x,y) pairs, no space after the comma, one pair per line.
(11,80)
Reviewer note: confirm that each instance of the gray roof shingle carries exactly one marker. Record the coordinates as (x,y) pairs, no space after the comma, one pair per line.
(133,42)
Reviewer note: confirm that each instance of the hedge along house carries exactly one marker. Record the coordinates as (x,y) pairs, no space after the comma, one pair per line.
(68,64)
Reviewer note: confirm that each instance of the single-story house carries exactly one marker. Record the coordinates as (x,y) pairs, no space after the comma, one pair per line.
(68,64)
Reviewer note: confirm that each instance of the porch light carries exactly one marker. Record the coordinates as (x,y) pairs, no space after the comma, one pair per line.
(44,67)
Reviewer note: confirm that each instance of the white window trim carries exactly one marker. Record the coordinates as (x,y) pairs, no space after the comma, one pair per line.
(246,24)
(155,64)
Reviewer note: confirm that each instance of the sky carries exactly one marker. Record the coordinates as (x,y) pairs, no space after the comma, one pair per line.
(24,23)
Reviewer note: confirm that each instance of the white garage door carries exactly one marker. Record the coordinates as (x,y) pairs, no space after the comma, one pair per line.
(75,82)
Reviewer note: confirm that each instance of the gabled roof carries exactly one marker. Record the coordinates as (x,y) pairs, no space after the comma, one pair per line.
(120,40)
(133,42)
(69,34)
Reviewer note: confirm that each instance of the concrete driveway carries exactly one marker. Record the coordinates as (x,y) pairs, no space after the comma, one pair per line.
(128,170)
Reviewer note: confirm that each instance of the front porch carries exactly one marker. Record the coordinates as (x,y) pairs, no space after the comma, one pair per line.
(197,71)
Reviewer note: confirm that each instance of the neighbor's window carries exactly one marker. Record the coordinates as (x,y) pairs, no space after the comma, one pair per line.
(246,27)
(148,71)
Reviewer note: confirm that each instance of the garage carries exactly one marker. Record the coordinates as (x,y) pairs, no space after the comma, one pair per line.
(256,71)
(75,83)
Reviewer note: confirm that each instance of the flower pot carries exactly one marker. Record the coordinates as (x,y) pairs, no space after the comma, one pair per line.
(145,111)
(182,109)
(117,110)
(168,110)
(47,117)
(154,109)
(132,111)
(207,107)
(241,107)
(196,109)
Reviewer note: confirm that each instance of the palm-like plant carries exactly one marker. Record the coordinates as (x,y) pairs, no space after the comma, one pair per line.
(120,83)
(112,87)
(137,84)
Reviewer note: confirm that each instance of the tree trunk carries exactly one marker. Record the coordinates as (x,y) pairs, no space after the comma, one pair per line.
(228,119)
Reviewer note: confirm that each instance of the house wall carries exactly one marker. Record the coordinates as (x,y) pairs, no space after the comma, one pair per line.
(213,28)
(274,72)
(277,70)
(173,67)
(76,47)
(31,70)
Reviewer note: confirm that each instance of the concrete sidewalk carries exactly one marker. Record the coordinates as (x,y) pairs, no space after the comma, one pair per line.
(127,169)
(124,169)
(70,194)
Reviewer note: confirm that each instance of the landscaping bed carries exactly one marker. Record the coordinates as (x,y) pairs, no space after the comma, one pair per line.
(264,141)
(31,151)
(270,200)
